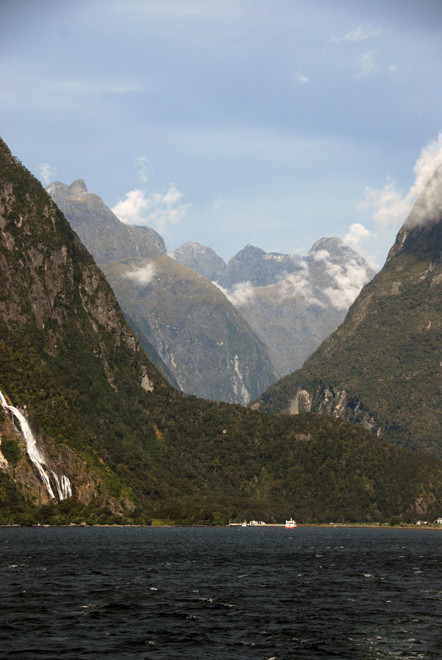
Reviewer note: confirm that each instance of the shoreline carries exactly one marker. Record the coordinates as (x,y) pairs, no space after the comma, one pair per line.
(236,525)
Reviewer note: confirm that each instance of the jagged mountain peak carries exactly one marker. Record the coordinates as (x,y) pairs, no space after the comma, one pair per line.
(99,228)
(204,260)
(249,251)
(326,244)
(193,246)
(78,187)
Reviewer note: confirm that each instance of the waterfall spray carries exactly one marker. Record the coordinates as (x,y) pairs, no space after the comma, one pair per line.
(61,485)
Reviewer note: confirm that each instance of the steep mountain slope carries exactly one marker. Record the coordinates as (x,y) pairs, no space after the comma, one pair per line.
(66,351)
(382,366)
(291,302)
(182,320)
(104,422)
(97,226)
(200,258)
(211,350)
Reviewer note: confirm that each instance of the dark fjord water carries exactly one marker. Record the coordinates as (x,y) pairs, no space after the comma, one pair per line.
(220,593)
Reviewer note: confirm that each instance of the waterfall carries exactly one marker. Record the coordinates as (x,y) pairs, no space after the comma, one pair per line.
(57,487)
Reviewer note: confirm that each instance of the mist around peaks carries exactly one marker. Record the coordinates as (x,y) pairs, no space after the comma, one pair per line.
(390,207)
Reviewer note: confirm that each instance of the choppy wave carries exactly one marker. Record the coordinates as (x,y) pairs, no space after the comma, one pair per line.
(220,593)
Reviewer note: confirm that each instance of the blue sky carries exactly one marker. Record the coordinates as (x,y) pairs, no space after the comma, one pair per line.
(227,122)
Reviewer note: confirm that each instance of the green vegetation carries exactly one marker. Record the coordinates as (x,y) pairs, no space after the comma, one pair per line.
(386,353)
(11,450)
(67,354)
(16,510)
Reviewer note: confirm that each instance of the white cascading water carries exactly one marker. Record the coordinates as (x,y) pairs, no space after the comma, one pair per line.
(51,480)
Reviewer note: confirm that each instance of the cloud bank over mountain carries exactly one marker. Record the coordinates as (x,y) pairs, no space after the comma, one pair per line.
(389,206)
(142,275)
(159,210)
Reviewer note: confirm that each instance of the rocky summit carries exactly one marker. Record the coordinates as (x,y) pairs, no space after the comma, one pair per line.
(381,368)
(200,258)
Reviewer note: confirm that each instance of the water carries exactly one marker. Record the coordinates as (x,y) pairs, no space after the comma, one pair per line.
(220,593)
(57,487)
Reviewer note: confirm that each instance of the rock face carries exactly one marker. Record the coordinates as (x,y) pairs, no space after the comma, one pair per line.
(60,331)
(291,302)
(381,368)
(257,267)
(204,341)
(187,327)
(86,485)
(200,258)
(97,226)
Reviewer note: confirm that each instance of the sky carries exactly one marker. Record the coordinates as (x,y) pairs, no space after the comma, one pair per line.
(229,122)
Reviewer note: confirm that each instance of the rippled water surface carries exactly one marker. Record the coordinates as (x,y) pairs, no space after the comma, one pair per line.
(220,593)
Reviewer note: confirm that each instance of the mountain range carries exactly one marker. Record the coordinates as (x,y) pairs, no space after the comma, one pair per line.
(188,328)
(219,331)
(291,302)
(381,367)
(90,431)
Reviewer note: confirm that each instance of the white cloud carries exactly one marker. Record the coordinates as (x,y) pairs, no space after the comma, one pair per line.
(348,281)
(154,209)
(131,209)
(240,294)
(298,284)
(355,236)
(427,163)
(391,207)
(301,78)
(141,276)
(47,173)
(367,65)
(295,284)
(388,204)
(345,282)
(356,233)
(358,34)
(321,255)
(145,169)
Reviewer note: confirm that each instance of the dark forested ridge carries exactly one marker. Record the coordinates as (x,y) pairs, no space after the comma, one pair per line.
(381,368)
(134,448)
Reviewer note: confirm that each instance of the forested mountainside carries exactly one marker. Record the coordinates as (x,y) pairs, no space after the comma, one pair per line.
(381,368)
(291,302)
(90,431)
(193,334)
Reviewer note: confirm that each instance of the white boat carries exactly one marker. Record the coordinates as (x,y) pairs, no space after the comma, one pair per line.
(290,524)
